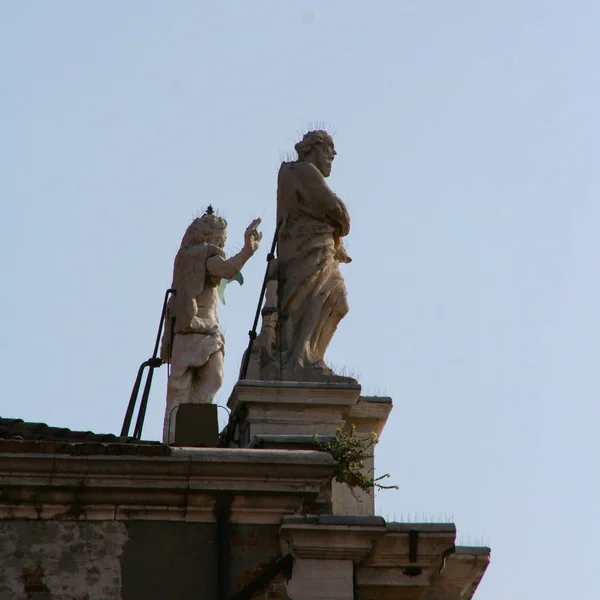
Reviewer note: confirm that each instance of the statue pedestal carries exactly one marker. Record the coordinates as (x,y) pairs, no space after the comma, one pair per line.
(290,408)
(287,414)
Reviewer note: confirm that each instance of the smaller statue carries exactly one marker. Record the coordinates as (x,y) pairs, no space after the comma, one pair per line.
(192,343)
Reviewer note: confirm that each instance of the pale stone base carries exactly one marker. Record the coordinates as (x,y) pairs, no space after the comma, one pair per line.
(300,409)
(290,408)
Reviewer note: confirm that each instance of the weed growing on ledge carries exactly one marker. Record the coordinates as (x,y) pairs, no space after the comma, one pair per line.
(350,453)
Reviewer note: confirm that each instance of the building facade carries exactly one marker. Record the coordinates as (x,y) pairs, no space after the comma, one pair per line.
(93,517)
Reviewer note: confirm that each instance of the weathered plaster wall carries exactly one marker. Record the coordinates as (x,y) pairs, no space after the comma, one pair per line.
(128,560)
(43,560)
(106,560)
(163,559)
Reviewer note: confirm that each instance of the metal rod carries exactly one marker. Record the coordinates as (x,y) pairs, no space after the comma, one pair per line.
(162,320)
(252,332)
(152,363)
(139,424)
(134,394)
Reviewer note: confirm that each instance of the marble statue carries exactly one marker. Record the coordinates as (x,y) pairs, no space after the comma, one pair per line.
(192,343)
(306,294)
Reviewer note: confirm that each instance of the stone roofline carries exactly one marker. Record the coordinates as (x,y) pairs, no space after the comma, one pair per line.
(273,487)
(181,487)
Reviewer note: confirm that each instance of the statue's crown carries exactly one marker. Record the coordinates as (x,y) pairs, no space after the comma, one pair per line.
(209,218)
(203,228)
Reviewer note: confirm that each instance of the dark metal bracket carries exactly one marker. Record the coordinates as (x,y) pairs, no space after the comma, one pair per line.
(252,333)
(413,547)
(284,563)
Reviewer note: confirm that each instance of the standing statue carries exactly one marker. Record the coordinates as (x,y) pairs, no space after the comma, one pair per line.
(192,343)
(306,295)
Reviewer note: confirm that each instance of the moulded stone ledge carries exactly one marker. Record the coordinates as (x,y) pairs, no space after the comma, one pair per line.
(370,414)
(432,539)
(264,484)
(460,575)
(260,510)
(288,390)
(403,562)
(330,537)
(183,463)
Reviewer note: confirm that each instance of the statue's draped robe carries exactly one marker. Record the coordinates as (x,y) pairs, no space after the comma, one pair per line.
(312,294)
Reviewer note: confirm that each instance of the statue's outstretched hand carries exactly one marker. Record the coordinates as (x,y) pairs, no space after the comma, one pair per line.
(252,236)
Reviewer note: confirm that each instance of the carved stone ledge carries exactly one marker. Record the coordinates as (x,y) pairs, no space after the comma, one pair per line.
(403,562)
(265,485)
(460,575)
(330,537)
(370,414)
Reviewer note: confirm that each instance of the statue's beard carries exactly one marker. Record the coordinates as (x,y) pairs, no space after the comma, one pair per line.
(325,169)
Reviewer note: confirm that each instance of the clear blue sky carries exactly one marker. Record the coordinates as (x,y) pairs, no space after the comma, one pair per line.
(468,155)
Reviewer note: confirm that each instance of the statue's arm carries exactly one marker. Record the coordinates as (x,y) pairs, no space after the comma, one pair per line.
(311,184)
(230,267)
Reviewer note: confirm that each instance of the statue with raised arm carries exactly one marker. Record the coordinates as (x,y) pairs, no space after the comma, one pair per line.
(306,294)
(192,344)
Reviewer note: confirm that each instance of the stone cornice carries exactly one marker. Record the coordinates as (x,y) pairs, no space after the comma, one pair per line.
(266,484)
(460,575)
(393,550)
(328,537)
(406,558)
(394,560)
(294,392)
(369,415)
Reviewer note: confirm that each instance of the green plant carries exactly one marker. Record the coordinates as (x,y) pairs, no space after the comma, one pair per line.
(350,452)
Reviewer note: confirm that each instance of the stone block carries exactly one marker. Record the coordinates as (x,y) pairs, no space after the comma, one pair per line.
(368,417)
(290,408)
(196,425)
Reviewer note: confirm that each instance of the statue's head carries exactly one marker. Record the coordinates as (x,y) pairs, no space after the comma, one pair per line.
(317,148)
(207,229)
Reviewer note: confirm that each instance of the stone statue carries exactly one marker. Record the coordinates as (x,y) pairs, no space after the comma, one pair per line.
(192,344)
(306,295)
